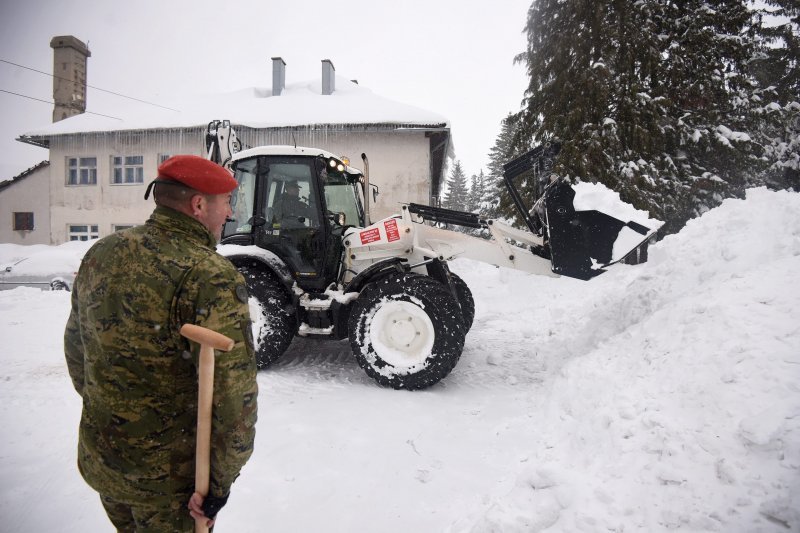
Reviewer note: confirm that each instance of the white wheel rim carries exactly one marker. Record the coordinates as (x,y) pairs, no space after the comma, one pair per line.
(402,334)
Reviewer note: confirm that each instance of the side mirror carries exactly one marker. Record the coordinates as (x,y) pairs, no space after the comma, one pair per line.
(258,221)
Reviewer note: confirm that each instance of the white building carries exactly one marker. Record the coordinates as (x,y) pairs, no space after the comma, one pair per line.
(25,204)
(100,166)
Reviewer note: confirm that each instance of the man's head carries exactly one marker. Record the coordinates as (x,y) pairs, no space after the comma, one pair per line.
(292,188)
(196,187)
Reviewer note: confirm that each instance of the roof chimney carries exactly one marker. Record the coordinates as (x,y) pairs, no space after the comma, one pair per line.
(278,76)
(69,76)
(328,77)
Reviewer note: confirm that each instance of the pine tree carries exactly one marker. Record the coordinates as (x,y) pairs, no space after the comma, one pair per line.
(477,190)
(652,99)
(779,27)
(496,199)
(456,196)
(477,184)
(778,67)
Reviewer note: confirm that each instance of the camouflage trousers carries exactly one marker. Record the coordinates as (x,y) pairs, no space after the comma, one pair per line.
(144,518)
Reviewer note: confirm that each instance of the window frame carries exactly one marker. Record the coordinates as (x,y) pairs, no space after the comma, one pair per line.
(132,165)
(83,166)
(91,232)
(27,225)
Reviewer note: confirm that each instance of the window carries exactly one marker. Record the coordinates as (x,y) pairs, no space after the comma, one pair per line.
(23,221)
(79,232)
(163,157)
(120,227)
(81,171)
(127,170)
(243,199)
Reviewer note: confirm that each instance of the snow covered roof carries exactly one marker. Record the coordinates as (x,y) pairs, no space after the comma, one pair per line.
(299,104)
(24,174)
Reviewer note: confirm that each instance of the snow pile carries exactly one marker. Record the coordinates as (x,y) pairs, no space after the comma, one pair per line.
(589,196)
(676,405)
(43,260)
(657,397)
(596,196)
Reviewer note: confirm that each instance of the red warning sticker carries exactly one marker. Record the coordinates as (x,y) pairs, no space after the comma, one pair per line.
(392,233)
(370,235)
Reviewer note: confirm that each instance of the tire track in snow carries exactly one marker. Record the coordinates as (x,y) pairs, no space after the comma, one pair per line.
(315,365)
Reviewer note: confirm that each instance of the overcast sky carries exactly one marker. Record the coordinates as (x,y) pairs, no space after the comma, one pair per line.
(452,57)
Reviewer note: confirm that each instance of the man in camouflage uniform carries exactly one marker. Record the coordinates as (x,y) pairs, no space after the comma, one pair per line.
(138,376)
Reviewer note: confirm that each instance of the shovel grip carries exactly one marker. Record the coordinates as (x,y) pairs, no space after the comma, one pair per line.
(206,337)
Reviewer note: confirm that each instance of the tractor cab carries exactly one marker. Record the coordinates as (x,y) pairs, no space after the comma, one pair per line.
(295,202)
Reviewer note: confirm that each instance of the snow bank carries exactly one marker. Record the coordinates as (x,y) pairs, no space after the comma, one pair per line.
(677,406)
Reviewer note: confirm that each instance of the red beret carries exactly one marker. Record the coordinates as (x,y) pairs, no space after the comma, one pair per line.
(198,173)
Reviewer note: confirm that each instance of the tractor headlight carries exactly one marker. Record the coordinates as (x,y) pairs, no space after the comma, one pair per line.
(336,164)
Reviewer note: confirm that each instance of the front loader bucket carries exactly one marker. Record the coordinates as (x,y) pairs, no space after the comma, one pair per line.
(583,243)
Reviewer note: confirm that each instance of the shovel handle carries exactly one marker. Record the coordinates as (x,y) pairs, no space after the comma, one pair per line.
(209,341)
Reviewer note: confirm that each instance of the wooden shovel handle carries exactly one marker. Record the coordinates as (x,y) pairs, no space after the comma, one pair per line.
(208,340)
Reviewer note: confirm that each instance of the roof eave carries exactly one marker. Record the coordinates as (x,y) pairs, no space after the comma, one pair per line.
(41,142)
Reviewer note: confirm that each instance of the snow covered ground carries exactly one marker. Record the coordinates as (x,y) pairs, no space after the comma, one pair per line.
(658,397)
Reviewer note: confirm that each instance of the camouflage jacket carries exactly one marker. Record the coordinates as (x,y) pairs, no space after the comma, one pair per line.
(138,376)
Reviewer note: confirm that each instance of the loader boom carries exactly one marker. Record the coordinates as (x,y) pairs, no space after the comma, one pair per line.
(444,244)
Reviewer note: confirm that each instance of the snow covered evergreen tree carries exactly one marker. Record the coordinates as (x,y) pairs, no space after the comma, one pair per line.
(652,99)
(777,67)
(477,184)
(475,203)
(498,203)
(457,194)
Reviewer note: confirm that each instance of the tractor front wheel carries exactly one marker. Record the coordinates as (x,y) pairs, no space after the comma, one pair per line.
(273,325)
(406,331)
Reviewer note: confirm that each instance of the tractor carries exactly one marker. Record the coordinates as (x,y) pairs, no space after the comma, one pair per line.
(317,266)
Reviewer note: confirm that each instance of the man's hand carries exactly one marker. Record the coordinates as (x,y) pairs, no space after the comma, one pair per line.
(196,508)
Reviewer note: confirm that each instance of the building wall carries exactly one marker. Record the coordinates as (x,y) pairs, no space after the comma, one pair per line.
(399,166)
(31,194)
(105,204)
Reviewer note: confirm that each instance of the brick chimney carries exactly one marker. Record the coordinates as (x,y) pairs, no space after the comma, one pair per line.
(69,76)
(328,77)
(278,76)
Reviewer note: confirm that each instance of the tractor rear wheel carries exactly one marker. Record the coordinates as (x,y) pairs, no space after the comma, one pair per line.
(406,331)
(273,325)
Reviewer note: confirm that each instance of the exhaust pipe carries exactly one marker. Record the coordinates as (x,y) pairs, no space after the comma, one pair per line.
(367,191)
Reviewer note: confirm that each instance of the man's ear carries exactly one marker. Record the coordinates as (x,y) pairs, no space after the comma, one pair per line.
(197,204)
